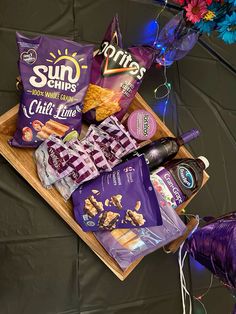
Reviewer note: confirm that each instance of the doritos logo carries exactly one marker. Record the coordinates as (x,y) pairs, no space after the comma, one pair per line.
(118,61)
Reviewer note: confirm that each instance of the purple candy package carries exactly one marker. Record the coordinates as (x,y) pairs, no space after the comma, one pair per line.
(116,75)
(127,245)
(55,75)
(122,198)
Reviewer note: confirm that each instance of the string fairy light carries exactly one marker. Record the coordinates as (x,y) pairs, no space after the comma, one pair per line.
(166,84)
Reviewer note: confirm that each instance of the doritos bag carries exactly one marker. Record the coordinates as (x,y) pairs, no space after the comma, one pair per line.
(115,76)
(55,75)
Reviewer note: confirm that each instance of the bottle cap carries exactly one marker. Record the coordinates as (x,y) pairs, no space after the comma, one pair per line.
(190,135)
(205,161)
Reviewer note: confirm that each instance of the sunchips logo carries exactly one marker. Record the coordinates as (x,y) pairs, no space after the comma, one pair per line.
(118,61)
(58,75)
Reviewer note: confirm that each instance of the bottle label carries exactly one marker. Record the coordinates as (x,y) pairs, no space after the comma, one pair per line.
(165,185)
(185,177)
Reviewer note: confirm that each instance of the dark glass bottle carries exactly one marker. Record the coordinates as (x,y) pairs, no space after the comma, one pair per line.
(164,149)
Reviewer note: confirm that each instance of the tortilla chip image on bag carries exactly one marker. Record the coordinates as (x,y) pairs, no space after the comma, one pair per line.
(115,76)
(55,75)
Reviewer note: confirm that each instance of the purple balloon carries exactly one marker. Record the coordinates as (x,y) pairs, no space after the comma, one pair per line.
(214,246)
(175,40)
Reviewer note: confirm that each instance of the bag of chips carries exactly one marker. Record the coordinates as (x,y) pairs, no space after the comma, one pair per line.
(122,198)
(55,75)
(115,76)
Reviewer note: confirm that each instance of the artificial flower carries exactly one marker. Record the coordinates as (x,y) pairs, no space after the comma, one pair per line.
(195,10)
(209,15)
(233,2)
(180,2)
(227,29)
(208,2)
(205,26)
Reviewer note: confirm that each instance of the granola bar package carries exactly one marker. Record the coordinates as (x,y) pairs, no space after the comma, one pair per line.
(127,245)
(52,161)
(122,198)
(108,144)
(96,154)
(112,126)
(83,169)
(115,76)
(55,75)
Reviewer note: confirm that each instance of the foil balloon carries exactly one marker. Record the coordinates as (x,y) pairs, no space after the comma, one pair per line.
(214,246)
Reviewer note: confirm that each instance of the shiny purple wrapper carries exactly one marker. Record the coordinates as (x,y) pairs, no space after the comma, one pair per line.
(55,75)
(122,198)
(214,246)
(130,245)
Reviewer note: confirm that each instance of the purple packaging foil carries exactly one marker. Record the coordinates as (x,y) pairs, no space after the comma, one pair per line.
(117,70)
(122,198)
(127,245)
(55,74)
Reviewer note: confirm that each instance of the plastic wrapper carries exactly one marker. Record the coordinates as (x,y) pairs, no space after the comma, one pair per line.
(115,76)
(83,170)
(55,75)
(96,155)
(112,126)
(123,198)
(126,245)
(52,161)
(109,145)
(213,246)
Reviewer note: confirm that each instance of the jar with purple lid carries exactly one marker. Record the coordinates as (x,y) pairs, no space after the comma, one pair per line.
(142,125)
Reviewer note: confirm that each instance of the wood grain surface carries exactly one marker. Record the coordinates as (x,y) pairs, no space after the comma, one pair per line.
(22,160)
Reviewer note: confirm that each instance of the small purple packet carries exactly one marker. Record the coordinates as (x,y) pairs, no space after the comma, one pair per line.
(127,245)
(55,74)
(52,161)
(114,128)
(122,198)
(109,146)
(83,170)
(96,155)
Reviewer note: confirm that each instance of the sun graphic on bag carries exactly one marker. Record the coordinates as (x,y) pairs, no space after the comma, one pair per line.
(65,56)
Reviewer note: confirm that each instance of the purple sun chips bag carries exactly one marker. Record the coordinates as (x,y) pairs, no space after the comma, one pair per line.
(116,75)
(122,198)
(55,75)
(126,245)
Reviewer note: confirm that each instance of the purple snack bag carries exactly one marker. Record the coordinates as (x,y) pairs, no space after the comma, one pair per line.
(116,75)
(55,75)
(127,245)
(122,198)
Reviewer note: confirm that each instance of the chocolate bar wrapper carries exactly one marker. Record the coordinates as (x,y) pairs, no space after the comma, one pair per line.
(122,198)
(52,161)
(113,127)
(83,170)
(55,75)
(97,156)
(127,245)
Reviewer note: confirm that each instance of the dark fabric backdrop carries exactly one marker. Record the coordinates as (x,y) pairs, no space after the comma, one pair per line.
(44,267)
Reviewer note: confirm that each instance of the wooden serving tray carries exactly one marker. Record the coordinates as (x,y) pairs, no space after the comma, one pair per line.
(22,161)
